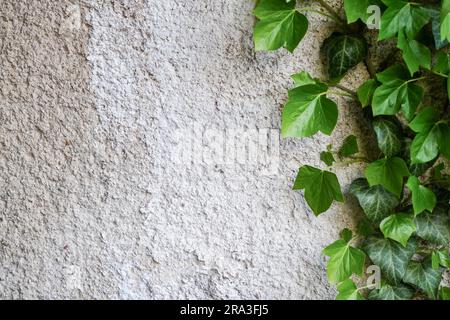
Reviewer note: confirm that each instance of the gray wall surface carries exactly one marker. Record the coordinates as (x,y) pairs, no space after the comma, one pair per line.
(112,180)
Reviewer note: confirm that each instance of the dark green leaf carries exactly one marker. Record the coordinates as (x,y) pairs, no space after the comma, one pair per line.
(365,92)
(343,52)
(435,14)
(433,227)
(349,146)
(389,292)
(344,261)
(321,188)
(346,235)
(390,256)
(280,25)
(424,277)
(327,158)
(389,173)
(444,293)
(376,202)
(308,111)
(389,136)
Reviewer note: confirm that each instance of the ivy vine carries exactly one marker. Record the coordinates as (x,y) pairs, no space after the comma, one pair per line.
(404,193)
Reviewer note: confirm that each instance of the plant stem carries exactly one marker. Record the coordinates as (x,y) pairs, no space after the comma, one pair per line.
(349,91)
(335,15)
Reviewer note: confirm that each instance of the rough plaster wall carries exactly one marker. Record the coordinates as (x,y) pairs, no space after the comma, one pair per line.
(93,202)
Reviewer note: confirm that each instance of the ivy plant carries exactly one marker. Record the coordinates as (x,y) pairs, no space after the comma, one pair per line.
(404,191)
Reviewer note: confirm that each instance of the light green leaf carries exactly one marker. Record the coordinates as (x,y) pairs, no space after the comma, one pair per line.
(427,144)
(425,120)
(349,146)
(356,9)
(415,54)
(365,92)
(422,197)
(303,78)
(433,227)
(376,202)
(344,261)
(396,92)
(348,291)
(416,169)
(280,25)
(321,188)
(389,292)
(390,256)
(445,20)
(424,277)
(402,16)
(389,173)
(389,136)
(399,227)
(440,258)
(308,111)
(343,52)
(435,14)
(327,158)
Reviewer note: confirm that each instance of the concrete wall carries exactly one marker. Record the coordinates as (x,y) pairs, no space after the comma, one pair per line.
(99,101)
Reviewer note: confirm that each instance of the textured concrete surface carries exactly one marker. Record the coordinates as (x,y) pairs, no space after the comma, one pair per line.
(97,98)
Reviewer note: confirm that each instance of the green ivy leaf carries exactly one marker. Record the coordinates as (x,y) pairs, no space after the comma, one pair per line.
(424,277)
(327,158)
(376,202)
(390,292)
(365,92)
(389,136)
(422,197)
(444,293)
(321,188)
(445,20)
(415,54)
(346,235)
(308,111)
(390,256)
(348,291)
(440,258)
(303,78)
(396,91)
(416,169)
(398,227)
(344,261)
(432,137)
(343,52)
(356,9)
(402,16)
(442,64)
(433,227)
(349,146)
(435,14)
(389,173)
(280,25)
